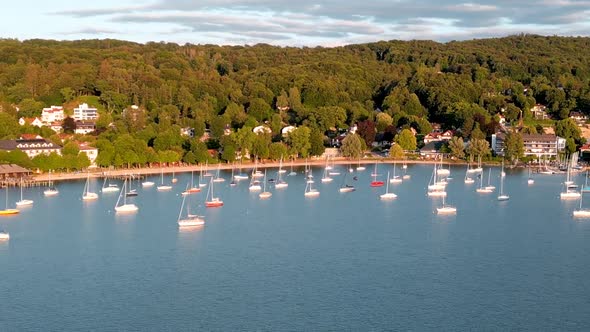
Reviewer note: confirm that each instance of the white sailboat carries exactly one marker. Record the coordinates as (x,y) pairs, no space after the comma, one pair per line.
(395,178)
(218,177)
(254,182)
(446,209)
(582,213)
(387,194)
(23,202)
(441,170)
(174,179)
(88,195)
(530,180)
(125,207)
(292,172)
(436,188)
(360,167)
(482,189)
(192,189)
(264,194)
(345,187)
(281,170)
(489,186)
(51,190)
(569,193)
(309,190)
(188,220)
(502,196)
(468,179)
(4,236)
(280,183)
(108,187)
(255,172)
(162,186)
(326,177)
(147,183)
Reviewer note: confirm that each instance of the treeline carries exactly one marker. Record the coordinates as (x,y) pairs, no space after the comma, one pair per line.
(384,87)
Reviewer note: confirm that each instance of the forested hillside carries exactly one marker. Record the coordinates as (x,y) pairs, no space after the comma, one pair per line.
(462,85)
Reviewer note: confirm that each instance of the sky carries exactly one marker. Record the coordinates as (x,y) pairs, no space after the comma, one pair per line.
(290,22)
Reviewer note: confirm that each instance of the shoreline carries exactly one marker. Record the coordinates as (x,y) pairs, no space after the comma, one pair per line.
(150,171)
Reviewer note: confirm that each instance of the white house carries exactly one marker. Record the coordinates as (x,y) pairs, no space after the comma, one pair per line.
(84,112)
(285,131)
(31,121)
(52,114)
(261,130)
(90,151)
(85,127)
(31,147)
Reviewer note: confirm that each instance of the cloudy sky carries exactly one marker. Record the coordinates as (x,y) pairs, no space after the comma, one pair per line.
(291,22)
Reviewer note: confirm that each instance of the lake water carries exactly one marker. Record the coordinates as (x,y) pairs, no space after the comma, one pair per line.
(331,263)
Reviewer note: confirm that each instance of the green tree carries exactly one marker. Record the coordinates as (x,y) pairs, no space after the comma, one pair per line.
(513,146)
(69,125)
(383,121)
(299,141)
(406,140)
(457,147)
(352,146)
(478,148)
(277,150)
(316,140)
(396,152)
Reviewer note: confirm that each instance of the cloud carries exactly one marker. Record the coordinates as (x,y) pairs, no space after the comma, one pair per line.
(89,31)
(335,22)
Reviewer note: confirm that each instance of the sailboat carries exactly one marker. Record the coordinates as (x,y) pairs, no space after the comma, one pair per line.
(108,187)
(125,207)
(254,183)
(502,196)
(345,187)
(23,202)
(162,186)
(360,167)
(468,179)
(375,182)
(395,178)
(130,192)
(255,172)
(446,209)
(281,170)
(201,176)
(218,177)
(586,187)
(482,189)
(233,181)
(489,186)
(51,190)
(147,184)
(582,213)
(280,183)
(326,177)
(292,173)
(88,195)
(192,189)
(387,194)
(4,235)
(569,193)
(188,220)
(331,170)
(530,180)
(309,190)
(443,171)
(6,210)
(264,194)
(436,188)
(174,179)
(211,200)
(207,170)
(240,175)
